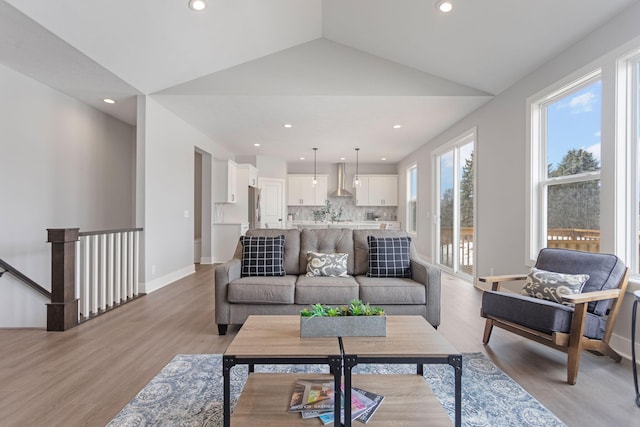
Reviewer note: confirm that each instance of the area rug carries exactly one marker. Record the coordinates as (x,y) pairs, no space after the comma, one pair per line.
(188,393)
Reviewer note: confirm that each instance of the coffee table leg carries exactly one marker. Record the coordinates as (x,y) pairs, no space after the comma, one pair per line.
(227,363)
(456,363)
(349,363)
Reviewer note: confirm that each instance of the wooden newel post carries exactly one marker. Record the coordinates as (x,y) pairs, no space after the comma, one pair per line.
(62,312)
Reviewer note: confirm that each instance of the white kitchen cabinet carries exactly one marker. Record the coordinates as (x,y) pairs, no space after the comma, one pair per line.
(302,192)
(252,174)
(377,190)
(225,181)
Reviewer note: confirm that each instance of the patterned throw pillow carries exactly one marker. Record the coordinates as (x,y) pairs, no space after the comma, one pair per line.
(262,256)
(552,286)
(389,256)
(331,265)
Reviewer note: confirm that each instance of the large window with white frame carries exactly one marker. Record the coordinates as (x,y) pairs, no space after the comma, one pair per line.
(629,121)
(565,168)
(412,198)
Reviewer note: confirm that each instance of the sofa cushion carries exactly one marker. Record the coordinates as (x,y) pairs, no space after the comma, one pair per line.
(262,290)
(330,265)
(553,286)
(361,247)
(389,256)
(376,290)
(605,270)
(291,247)
(262,256)
(325,290)
(541,315)
(326,241)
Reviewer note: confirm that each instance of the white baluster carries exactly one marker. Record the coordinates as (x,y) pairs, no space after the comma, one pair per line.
(86,277)
(78,277)
(136,261)
(117,268)
(110,268)
(94,274)
(131,268)
(102,260)
(125,266)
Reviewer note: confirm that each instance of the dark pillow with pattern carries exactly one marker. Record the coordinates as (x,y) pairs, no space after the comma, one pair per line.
(330,265)
(553,286)
(389,256)
(262,256)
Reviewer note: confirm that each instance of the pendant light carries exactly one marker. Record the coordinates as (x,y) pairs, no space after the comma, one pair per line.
(315,157)
(356,177)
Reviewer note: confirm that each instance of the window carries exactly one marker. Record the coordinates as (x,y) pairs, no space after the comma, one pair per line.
(629,120)
(565,179)
(412,198)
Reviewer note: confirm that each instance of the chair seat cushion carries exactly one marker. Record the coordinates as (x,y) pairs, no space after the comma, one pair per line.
(391,290)
(538,314)
(262,290)
(325,290)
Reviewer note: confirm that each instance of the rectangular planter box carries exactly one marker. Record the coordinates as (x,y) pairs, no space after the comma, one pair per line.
(343,326)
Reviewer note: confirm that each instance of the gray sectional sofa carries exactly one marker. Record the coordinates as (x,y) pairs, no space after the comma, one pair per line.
(238,297)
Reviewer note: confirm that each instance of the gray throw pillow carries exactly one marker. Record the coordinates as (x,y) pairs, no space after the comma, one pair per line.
(553,286)
(331,265)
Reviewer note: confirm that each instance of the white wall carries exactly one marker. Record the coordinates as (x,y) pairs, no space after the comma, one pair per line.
(500,160)
(64,164)
(168,143)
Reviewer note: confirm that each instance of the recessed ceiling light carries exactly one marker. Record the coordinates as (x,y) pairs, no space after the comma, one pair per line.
(256,144)
(197,5)
(383,158)
(444,6)
(301,158)
(397,126)
(108,101)
(288,125)
(342,158)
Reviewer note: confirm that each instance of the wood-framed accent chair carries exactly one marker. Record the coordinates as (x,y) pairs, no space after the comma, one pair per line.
(588,325)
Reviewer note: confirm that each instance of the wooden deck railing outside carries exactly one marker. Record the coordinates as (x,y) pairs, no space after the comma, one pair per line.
(567,238)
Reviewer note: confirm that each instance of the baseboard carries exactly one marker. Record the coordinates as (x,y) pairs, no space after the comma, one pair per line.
(163,281)
(623,346)
(206,260)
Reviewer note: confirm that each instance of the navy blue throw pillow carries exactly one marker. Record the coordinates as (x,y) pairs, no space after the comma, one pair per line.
(389,256)
(262,256)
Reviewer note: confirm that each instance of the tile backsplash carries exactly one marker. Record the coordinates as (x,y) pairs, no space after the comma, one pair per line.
(350,212)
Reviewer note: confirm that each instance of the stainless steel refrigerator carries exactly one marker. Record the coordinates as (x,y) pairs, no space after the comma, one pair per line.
(254,208)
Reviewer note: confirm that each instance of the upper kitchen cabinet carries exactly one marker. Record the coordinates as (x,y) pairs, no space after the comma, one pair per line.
(377,190)
(302,192)
(225,182)
(252,174)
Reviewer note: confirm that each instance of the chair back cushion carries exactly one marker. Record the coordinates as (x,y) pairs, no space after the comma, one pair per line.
(605,271)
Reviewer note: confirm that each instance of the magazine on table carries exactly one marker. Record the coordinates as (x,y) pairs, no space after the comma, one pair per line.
(312,395)
(377,399)
(314,398)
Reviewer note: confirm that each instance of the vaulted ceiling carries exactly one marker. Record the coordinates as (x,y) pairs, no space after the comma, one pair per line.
(342,72)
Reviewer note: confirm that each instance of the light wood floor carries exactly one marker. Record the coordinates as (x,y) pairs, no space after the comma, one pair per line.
(84,376)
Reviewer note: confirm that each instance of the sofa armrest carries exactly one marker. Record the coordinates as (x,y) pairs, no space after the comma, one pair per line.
(225,274)
(429,276)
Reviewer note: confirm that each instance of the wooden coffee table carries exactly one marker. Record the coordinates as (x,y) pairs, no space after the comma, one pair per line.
(276,340)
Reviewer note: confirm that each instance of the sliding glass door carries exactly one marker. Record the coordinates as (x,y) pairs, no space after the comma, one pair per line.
(455,206)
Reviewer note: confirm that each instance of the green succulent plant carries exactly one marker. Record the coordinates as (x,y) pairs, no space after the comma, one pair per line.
(355,308)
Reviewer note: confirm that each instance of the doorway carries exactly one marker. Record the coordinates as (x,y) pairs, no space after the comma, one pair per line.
(271,202)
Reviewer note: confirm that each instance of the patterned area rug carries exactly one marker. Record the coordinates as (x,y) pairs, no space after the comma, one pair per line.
(188,392)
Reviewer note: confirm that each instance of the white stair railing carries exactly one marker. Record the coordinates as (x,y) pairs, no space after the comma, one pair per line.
(106,270)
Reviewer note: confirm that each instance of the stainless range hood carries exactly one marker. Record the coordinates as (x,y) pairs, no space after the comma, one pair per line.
(341,191)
